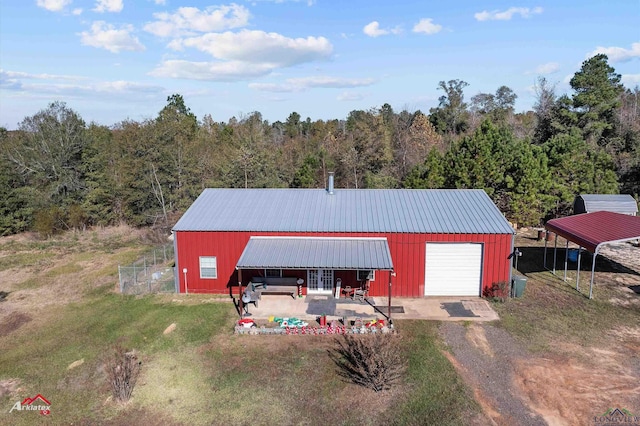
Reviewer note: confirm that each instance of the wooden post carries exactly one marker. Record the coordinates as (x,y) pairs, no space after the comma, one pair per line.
(240,304)
(389,302)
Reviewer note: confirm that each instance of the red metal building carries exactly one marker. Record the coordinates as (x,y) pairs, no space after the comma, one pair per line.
(440,242)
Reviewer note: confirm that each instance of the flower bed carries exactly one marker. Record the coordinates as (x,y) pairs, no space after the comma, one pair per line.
(247,326)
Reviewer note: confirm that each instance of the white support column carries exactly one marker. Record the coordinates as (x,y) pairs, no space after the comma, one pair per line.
(593,271)
(578,269)
(566,258)
(555,252)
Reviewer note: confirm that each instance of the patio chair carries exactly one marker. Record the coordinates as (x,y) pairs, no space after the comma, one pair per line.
(361,293)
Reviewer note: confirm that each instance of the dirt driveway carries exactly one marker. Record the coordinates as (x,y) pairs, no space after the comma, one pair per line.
(515,387)
(565,383)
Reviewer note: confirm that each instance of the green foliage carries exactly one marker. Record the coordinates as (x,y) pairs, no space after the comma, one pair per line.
(149,172)
(597,90)
(306,175)
(49,221)
(450,116)
(578,168)
(428,175)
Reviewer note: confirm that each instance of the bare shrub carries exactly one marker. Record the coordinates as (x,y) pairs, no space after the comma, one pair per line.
(123,369)
(373,361)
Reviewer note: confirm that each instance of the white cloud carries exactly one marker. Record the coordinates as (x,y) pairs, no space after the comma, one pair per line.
(427,26)
(56,84)
(618,54)
(259,47)
(53,5)
(25,75)
(106,36)
(350,96)
(630,79)
(108,6)
(309,2)
(373,29)
(77,12)
(548,68)
(506,15)
(303,84)
(191,20)
(212,71)
(160,2)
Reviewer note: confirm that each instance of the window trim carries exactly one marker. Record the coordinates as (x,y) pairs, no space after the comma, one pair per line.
(215,258)
(273,276)
(372,271)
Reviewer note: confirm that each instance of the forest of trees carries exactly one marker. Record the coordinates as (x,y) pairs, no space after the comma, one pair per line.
(57,172)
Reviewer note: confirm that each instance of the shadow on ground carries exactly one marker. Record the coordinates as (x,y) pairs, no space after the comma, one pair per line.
(532,261)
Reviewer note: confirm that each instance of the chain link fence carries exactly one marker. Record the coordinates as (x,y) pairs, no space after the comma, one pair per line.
(153,273)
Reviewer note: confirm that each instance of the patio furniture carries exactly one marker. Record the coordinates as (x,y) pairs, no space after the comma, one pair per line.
(277,285)
(348,291)
(361,293)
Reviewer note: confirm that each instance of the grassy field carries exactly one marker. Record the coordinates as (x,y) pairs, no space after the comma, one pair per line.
(62,308)
(552,312)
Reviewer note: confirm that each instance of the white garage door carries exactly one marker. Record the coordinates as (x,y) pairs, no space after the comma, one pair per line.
(453,269)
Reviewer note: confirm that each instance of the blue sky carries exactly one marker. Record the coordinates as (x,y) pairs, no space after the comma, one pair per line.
(112,60)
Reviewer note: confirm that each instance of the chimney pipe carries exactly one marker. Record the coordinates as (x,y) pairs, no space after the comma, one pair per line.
(330,188)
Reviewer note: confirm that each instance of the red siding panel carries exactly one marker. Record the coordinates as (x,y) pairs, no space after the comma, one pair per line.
(407,252)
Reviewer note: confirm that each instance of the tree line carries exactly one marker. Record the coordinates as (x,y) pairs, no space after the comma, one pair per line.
(58,172)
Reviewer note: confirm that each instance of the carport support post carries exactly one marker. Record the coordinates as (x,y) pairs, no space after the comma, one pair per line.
(555,251)
(578,269)
(566,258)
(593,271)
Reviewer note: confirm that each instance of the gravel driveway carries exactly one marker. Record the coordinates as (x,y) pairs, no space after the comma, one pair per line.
(484,356)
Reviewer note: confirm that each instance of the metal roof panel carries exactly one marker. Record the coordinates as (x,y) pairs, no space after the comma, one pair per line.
(468,211)
(316,252)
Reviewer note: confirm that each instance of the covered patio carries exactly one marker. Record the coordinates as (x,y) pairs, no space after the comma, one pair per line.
(590,231)
(326,268)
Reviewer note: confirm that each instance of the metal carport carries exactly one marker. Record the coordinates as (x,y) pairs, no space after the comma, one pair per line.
(591,231)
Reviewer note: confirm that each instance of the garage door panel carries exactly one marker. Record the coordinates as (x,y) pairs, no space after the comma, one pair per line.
(453,269)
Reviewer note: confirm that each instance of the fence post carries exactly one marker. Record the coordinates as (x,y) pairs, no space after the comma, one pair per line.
(145,265)
(120,280)
(154,257)
(135,276)
(164,252)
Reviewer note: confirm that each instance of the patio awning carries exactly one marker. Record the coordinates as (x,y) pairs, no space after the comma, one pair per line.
(316,253)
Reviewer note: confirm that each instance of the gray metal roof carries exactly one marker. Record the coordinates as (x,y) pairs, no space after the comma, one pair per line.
(316,252)
(457,211)
(618,203)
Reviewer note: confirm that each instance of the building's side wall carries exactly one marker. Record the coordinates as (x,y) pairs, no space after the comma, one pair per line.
(407,253)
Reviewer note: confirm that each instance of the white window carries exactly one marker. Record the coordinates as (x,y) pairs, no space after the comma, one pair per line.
(208,267)
(366,275)
(271,273)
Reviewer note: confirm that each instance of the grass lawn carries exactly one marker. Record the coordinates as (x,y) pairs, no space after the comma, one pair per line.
(552,312)
(200,373)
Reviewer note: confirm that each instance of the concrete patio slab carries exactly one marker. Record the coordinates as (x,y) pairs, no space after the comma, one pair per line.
(309,308)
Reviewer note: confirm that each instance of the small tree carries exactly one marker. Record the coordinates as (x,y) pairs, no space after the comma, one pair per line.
(123,369)
(372,361)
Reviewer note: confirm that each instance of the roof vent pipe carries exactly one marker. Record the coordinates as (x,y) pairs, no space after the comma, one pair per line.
(330,187)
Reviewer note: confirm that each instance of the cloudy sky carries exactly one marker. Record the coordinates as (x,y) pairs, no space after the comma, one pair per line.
(112,60)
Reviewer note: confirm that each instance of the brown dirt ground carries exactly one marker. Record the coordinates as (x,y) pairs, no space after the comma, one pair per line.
(572,384)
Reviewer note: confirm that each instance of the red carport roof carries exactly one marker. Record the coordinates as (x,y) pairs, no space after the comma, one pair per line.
(590,230)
